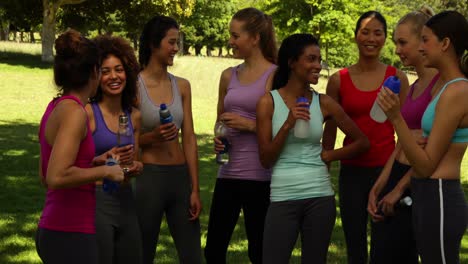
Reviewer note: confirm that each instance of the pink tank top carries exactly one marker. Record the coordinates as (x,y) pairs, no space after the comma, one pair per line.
(70,209)
(413,109)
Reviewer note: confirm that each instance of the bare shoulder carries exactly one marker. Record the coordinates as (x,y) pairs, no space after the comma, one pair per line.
(183,84)
(266,101)
(333,85)
(136,113)
(226,74)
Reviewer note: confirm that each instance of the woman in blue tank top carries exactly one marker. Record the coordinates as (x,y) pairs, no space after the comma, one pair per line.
(169,182)
(117,231)
(242,183)
(302,198)
(440,210)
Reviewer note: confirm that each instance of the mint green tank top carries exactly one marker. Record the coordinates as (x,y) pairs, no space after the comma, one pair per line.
(299,172)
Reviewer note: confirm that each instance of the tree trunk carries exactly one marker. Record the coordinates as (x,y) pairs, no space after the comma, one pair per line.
(198,50)
(21,36)
(50,8)
(31,37)
(220,51)
(48,31)
(181,46)
(208,51)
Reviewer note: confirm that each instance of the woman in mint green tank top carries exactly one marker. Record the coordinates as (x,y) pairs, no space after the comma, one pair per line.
(302,198)
(440,211)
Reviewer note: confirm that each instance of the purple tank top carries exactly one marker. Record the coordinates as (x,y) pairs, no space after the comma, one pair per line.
(244,162)
(70,209)
(104,138)
(413,109)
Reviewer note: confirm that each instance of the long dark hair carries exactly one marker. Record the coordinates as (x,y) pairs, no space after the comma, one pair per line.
(120,48)
(153,32)
(291,49)
(257,22)
(76,61)
(452,25)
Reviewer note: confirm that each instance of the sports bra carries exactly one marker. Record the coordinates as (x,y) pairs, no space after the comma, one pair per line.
(460,135)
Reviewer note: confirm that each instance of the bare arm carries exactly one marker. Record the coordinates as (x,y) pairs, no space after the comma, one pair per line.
(189,143)
(61,171)
(404,88)
(329,133)
(450,110)
(333,112)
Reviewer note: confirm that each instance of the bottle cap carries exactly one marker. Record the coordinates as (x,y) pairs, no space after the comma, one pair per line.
(111,162)
(393,83)
(302,100)
(123,119)
(163,106)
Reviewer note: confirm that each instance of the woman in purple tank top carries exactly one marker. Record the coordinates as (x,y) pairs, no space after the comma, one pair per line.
(242,182)
(392,236)
(117,230)
(66,232)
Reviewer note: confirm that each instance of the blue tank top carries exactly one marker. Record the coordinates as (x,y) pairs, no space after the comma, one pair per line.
(460,135)
(150,111)
(299,172)
(104,138)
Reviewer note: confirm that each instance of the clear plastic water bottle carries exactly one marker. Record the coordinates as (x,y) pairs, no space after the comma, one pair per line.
(165,116)
(124,135)
(109,186)
(376,113)
(221,133)
(301,128)
(406,201)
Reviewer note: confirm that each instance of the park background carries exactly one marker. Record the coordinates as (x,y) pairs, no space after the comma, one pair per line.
(26,86)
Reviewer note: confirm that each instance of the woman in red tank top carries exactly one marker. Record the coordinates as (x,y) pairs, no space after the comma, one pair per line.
(356,88)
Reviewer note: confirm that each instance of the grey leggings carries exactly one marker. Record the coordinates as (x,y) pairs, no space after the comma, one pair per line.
(440,216)
(313,218)
(165,189)
(117,230)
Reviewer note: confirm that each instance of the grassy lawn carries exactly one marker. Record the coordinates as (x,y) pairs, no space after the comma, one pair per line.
(27,86)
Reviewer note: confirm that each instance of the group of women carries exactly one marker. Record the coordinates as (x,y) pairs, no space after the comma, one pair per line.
(279,181)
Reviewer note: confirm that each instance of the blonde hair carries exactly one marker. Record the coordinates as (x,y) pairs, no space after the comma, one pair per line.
(417,19)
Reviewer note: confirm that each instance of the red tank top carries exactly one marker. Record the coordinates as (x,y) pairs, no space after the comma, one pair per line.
(357,104)
(70,209)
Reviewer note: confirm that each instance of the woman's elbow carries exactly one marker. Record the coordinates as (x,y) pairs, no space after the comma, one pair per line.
(52,183)
(363,144)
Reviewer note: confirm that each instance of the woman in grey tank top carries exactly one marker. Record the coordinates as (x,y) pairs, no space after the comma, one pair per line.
(169,182)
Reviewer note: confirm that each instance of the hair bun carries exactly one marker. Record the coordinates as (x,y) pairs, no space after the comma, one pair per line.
(427,10)
(68,44)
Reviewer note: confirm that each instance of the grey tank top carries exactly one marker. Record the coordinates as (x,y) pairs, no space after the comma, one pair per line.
(150,110)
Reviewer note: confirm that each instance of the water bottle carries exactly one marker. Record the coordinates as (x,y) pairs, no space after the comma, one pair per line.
(109,186)
(376,113)
(404,202)
(124,137)
(164,114)
(301,128)
(221,133)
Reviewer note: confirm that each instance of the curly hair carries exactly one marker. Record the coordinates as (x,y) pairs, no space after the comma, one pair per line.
(120,48)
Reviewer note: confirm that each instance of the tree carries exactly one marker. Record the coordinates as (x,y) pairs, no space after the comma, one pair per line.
(50,8)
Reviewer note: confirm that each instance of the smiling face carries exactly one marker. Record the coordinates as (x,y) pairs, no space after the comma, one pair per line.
(113,76)
(168,47)
(370,37)
(407,44)
(308,66)
(240,40)
(430,48)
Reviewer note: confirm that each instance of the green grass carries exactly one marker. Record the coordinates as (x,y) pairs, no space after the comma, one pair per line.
(27,86)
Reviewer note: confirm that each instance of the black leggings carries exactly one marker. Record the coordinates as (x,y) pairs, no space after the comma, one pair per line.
(313,218)
(355,183)
(117,230)
(56,247)
(229,197)
(440,216)
(166,189)
(392,240)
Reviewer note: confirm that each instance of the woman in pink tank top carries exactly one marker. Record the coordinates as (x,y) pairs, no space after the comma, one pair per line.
(242,184)
(392,234)
(66,232)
